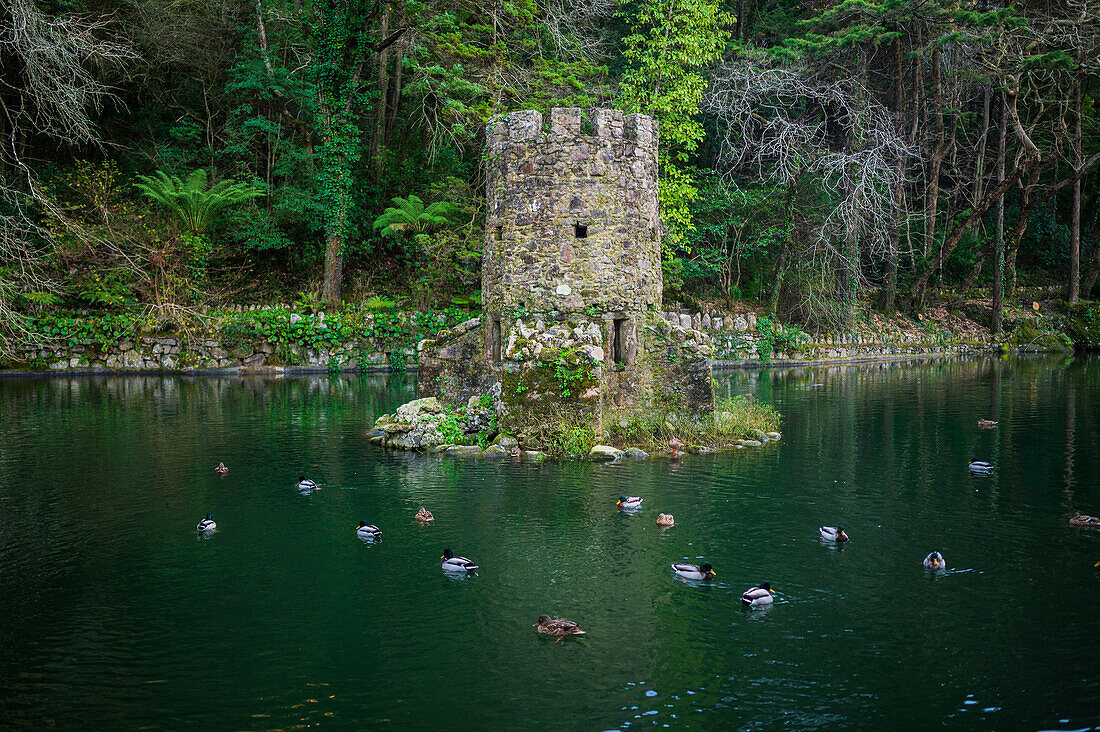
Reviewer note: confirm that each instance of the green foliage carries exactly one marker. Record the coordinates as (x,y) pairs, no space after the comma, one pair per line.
(774,336)
(571,370)
(101,331)
(569,440)
(376,303)
(735,418)
(410,215)
(665,51)
(192,201)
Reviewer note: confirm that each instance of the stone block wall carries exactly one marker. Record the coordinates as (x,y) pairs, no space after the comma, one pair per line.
(572,213)
(179,353)
(737,343)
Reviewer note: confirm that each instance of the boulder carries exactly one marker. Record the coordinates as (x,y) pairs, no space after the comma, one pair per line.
(534,456)
(506,441)
(410,413)
(463,451)
(636,453)
(605,452)
(774,435)
(593,352)
(495,451)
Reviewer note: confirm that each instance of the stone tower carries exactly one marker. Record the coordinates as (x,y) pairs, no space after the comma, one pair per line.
(572,213)
(571,282)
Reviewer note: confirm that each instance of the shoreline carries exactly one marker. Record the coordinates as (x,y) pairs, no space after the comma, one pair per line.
(717,366)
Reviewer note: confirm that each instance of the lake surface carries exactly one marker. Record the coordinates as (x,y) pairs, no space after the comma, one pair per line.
(114,613)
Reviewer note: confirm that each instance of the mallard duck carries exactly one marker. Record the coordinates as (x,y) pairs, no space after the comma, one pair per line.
(934,560)
(628,502)
(1081,519)
(368,531)
(221,469)
(665,519)
(515,451)
(703,572)
(451,563)
(307,485)
(557,626)
(980,466)
(758,596)
(207,524)
(675,446)
(987,423)
(833,533)
(424,515)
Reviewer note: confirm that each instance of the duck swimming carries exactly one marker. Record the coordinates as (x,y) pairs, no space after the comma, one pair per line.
(702,572)
(450,563)
(221,469)
(934,560)
(987,423)
(833,533)
(758,596)
(628,502)
(557,626)
(368,531)
(665,519)
(981,467)
(424,515)
(207,524)
(307,485)
(1081,519)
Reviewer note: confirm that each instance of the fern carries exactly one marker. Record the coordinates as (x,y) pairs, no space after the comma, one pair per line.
(411,215)
(196,205)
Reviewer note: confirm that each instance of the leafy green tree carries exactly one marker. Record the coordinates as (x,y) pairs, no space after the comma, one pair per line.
(669,45)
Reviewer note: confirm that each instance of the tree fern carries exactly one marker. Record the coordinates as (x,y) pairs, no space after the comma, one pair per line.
(190,199)
(411,215)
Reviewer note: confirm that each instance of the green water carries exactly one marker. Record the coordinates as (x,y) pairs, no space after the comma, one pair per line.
(115,614)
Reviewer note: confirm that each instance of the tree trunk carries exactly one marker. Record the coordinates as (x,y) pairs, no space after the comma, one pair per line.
(261,36)
(932,189)
(1073,290)
(395,105)
(899,192)
(383,95)
(979,165)
(334,269)
(785,246)
(952,239)
(1032,157)
(999,224)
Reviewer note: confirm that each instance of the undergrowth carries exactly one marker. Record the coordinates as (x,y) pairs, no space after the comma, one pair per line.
(734,419)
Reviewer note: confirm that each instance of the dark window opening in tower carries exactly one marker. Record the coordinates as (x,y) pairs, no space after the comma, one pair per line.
(580,232)
(619,334)
(499,234)
(495,342)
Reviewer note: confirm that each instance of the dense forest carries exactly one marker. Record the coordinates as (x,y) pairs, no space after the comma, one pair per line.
(817,158)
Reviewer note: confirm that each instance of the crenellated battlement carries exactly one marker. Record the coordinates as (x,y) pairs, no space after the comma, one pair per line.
(572,125)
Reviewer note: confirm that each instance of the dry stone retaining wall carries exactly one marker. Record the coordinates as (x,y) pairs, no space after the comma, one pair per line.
(170,353)
(737,343)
